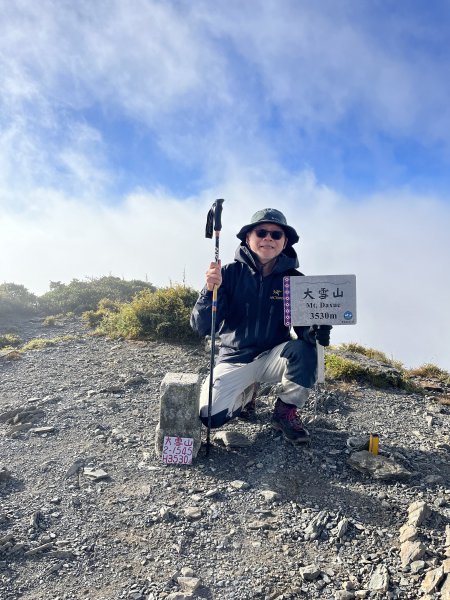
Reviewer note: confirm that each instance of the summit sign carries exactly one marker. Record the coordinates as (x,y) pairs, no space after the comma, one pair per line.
(319,300)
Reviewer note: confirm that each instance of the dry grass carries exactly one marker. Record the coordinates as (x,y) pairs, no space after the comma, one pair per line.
(355,348)
(344,369)
(430,371)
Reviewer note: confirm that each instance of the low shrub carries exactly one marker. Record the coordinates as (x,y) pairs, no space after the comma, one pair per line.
(163,315)
(37,344)
(67,338)
(355,348)
(52,320)
(430,371)
(93,318)
(49,321)
(41,343)
(343,369)
(9,340)
(123,323)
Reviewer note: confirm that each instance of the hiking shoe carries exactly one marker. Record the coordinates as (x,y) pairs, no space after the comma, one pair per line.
(286,420)
(248,412)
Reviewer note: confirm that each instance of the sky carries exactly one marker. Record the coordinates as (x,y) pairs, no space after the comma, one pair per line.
(122,122)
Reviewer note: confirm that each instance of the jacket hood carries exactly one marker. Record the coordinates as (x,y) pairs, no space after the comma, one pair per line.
(288,259)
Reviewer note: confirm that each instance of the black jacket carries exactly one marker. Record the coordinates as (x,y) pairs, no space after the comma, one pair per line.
(250,312)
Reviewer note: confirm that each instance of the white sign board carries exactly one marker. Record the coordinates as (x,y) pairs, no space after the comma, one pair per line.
(177,450)
(319,300)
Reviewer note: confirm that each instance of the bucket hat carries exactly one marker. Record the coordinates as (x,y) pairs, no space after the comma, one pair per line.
(269,215)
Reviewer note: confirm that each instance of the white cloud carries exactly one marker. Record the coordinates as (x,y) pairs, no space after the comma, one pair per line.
(322,62)
(201,81)
(142,57)
(316,63)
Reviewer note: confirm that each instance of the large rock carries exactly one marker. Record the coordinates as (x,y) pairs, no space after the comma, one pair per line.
(408,533)
(411,551)
(316,525)
(232,439)
(310,572)
(189,584)
(418,512)
(379,582)
(378,466)
(341,528)
(432,579)
(179,410)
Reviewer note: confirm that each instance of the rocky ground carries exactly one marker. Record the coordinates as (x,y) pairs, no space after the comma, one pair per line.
(87,510)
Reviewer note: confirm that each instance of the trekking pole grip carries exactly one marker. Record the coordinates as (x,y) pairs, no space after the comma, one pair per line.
(214,218)
(218,206)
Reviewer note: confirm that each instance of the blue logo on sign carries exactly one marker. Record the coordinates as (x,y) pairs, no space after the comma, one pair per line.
(348,315)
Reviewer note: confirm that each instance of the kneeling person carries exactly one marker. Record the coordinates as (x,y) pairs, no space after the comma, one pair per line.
(255,344)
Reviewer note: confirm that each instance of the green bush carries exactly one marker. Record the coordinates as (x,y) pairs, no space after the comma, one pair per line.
(93,318)
(163,314)
(16,299)
(123,323)
(81,296)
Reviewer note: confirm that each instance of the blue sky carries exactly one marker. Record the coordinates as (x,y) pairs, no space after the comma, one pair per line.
(121,122)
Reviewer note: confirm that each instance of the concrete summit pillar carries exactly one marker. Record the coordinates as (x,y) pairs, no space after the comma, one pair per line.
(179,409)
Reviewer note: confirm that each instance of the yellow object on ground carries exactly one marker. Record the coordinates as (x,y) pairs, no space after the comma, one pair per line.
(373,443)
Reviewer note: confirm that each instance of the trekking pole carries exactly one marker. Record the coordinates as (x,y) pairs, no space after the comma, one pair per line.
(213,223)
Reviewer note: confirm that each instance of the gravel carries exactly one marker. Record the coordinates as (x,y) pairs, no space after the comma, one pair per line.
(87,510)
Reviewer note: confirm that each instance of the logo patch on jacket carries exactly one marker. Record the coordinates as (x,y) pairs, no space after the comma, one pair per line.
(277,295)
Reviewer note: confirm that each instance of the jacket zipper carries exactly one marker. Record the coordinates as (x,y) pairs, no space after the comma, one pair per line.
(269,322)
(247,317)
(260,295)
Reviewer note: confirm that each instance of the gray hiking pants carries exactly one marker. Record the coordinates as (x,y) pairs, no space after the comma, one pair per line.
(293,365)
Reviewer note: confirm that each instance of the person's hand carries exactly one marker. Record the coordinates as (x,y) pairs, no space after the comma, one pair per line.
(213,276)
(321,334)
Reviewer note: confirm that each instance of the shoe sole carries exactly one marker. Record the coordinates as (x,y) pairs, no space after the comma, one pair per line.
(303,442)
(297,442)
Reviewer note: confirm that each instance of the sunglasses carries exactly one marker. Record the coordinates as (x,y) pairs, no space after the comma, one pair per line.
(275,235)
